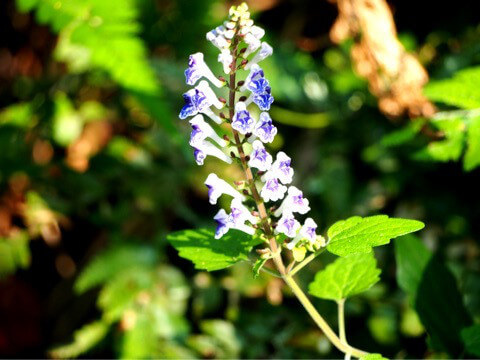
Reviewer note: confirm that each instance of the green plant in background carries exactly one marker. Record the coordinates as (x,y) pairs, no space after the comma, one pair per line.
(149,302)
(276,228)
(458,130)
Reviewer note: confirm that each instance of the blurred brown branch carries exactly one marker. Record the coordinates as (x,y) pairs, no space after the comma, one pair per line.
(394,76)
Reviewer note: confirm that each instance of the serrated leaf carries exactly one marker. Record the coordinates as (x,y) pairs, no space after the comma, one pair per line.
(472,156)
(111,262)
(345,277)
(462,90)
(360,235)
(258,266)
(84,339)
(207,253)
(374,356)
(432,290)
(471,339)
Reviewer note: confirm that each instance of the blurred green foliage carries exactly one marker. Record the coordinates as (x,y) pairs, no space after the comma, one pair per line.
(87,245)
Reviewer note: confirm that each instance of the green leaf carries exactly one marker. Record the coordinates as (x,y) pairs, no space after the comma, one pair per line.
(451,147)
(111,262)
(208,253)
(433,293)
(462,90)
(345,277)
(14,252)
(471,339)
(374,356)
(83,26)
(84,339)
(403,135)
(258,266)
(359,235)
(225,335)
(140,341)
(472,156)
(121,291)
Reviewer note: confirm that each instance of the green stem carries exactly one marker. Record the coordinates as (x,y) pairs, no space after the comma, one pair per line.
(322,324)
(305,262)
(341,320)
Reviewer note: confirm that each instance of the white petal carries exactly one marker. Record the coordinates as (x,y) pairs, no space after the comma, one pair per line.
(207,130)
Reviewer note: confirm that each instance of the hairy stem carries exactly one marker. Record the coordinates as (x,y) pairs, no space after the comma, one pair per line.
(341,320)
(267,228)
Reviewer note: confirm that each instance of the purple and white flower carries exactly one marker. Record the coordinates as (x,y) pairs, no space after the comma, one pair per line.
(281,168)
(197,68)
(253,43)
(206,148)
(287,225)
(223,224)
(264,128)
(257,31)
(240,213)
(259,157)
(294,202)
(242,121)
(307,231)
(264,52)
(199,100)
(252,36)
(262,99)
(202,130)
(217,38)
(210,94)
(272,190)
(255,81)
(217,187)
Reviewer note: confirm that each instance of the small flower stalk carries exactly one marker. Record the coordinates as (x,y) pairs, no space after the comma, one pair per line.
(241,51)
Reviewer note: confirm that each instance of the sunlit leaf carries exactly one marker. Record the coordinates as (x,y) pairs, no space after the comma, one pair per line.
(84,339)
(472,156)
(208,253)
(461,90)
(359,235)
(345,277)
